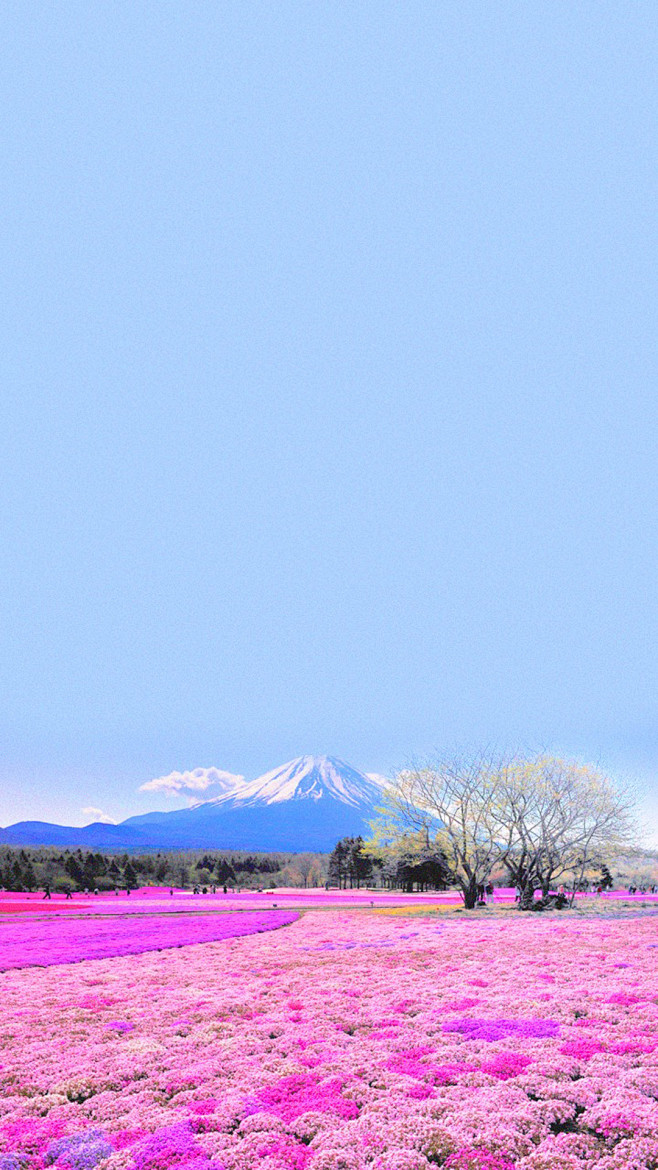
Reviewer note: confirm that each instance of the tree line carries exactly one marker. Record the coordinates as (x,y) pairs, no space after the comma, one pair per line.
(354,863)
(23,869)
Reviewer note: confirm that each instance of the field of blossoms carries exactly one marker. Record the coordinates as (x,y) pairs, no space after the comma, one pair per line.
(349,1039)
(46,944)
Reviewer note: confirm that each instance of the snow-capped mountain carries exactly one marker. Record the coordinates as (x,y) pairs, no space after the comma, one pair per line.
(307,804)
(306,778)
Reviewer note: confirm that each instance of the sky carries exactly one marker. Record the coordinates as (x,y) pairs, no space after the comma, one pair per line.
(329,416)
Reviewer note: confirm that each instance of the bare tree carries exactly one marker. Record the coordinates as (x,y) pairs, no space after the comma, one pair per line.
(305,864)
(560,818)
(545,819)
(455,805)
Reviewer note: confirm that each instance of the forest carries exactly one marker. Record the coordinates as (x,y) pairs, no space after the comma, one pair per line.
(31,869)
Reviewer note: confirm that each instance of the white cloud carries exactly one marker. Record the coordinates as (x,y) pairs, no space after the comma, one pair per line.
(200,779)
(96,814)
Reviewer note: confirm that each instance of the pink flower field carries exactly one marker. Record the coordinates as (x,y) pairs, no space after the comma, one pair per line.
(46,944)
(349,1039)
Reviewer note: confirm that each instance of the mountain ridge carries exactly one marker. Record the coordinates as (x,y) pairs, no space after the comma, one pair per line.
(306,804)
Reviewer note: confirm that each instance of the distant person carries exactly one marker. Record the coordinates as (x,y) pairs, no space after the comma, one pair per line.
(46,892)
(67,891)
(171,893)
(225,890)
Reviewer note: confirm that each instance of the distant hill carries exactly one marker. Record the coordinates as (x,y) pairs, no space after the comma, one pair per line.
(95,836)
(306,804)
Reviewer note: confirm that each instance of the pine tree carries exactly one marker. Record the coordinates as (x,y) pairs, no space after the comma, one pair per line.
(17,879)
(338,863)
(74,871)
(89,872)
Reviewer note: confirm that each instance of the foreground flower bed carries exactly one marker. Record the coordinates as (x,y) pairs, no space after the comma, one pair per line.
(347,1041)
(45,944)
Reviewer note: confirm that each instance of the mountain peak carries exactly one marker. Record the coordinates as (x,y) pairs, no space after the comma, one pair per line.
(307,804)
(307,778)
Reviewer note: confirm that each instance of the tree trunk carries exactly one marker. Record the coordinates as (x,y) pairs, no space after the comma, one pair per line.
(527,898)
(470,894)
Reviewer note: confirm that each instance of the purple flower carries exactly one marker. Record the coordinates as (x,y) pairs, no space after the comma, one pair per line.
(29,944)
(491,1030)
(81,1151)
(170,1148)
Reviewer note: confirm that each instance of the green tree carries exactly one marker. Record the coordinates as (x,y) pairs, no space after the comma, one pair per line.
(74,871)
(350,862)
(338,864)
(17,877)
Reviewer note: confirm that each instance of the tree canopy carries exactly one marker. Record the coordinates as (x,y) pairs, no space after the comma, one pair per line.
(544,819)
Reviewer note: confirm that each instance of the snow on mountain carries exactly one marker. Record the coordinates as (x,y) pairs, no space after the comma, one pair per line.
(378,779)
(306,778)
(307,804)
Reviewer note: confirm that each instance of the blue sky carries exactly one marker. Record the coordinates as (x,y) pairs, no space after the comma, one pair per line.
(329,367)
